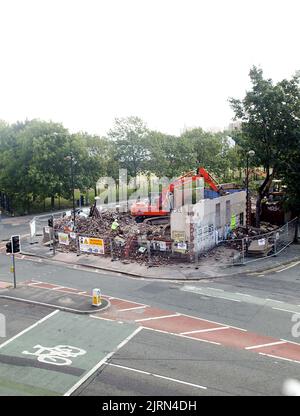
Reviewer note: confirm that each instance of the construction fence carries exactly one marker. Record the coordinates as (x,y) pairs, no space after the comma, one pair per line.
(261,246)
(138,249)
(145,249)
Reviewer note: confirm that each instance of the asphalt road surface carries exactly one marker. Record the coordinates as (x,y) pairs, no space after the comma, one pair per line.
(164,349)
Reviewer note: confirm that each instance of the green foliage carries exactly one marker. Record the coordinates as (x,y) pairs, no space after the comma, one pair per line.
(35,162)
(270,116)
(128,144)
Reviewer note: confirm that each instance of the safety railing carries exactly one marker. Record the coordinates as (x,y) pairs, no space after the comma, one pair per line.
(261,246)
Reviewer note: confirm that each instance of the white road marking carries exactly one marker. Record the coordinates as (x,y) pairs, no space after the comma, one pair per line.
(196,290)
(35,283)
(29,328)
(158,376)
(243,294)
(181,336)
(157,317)
(265,345)
(273,300)
(99,317)
(288,267)
(204,330)
(103,361)
(290,342)
(222,297)
(213,288)
(285,310)
(134,308)
(66,287)
(279,358)
(200,339)
(214,322)
(56,287)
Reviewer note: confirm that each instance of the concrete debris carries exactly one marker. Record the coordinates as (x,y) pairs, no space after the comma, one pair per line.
(123,242)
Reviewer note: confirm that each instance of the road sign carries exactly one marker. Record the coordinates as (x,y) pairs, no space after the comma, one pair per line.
(91,245)
(32,225)
(63,239)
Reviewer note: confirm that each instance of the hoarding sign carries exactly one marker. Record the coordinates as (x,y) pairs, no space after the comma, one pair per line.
(91,245)
(63,239)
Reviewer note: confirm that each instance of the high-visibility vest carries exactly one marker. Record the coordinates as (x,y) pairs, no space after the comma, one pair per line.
(114,225)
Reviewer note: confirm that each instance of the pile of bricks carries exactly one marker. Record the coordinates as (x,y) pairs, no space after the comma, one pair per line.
(124,242)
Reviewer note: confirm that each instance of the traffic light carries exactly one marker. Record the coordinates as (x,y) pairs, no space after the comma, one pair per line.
(8,247)
(15,244)
(50,222)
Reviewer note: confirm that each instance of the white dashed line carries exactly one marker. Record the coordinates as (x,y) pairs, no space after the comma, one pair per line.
(134,308)
(205,330)
(273,300)
(233,300)
(265,345)
(157,317)
(158,376)
(285,310)
(279,358)
(243,294)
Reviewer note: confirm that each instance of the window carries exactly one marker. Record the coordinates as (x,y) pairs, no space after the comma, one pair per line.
(241,218)
(218,215)
(228,213)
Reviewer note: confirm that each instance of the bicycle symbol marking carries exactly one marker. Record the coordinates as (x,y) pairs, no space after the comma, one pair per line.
(59,355)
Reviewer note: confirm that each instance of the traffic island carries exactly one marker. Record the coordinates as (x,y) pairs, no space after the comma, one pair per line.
(66,299)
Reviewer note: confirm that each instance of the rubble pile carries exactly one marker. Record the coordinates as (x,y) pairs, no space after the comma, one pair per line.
(241,232)
(125,241)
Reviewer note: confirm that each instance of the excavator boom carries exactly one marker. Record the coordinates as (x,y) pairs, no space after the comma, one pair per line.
(142,209)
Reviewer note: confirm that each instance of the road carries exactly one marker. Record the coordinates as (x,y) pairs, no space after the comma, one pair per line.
(159,359)
(227,336)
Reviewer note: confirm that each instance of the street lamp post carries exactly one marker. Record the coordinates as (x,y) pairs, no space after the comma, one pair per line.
(71,158)
(251,153)
(73,190)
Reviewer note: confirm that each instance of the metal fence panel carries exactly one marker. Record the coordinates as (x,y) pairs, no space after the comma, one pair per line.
(260,246)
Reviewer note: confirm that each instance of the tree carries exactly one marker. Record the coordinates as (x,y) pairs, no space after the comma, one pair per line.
(169,155)
(128,137)
(270,121)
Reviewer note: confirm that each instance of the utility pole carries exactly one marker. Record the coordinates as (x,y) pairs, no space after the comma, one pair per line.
(248,201)
(73,190)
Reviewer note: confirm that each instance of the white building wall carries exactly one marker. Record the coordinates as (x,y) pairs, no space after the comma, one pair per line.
(202,226)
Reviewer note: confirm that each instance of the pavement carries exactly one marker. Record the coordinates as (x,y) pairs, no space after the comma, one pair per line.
(207,268)
(63,298)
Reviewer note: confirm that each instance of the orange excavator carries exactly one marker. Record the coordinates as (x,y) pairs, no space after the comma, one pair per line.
(164,203)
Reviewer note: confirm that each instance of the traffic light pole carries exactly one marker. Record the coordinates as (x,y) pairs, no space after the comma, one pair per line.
(53,236)
(14,270)
(12,247)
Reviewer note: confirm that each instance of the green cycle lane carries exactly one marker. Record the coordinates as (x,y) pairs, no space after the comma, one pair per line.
(53,356)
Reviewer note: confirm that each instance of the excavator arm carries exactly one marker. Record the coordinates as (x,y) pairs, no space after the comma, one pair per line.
(210,180)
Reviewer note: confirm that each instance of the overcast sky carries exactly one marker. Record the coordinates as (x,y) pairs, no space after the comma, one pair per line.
(171,62)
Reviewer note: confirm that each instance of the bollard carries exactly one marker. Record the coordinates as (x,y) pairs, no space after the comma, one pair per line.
(96,297)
